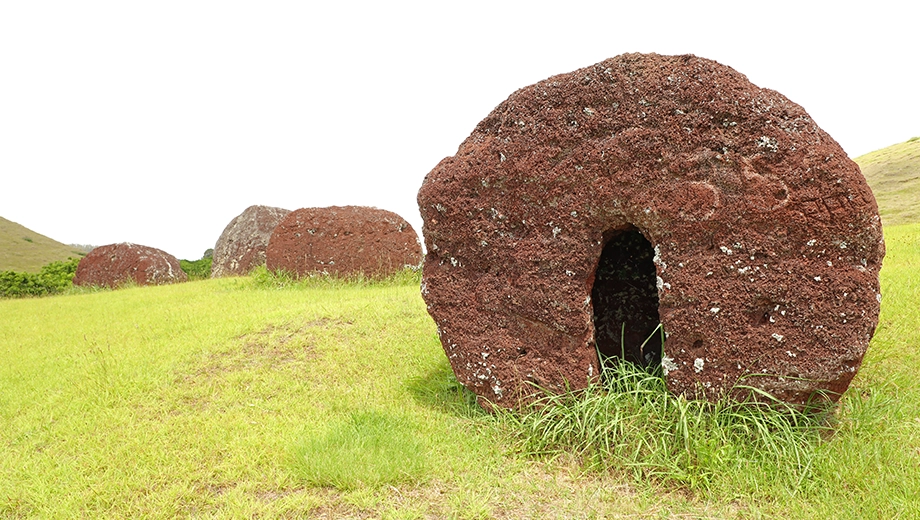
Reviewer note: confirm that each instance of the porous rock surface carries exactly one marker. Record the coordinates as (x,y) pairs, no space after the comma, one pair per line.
(111,265)
(589,207)
(343,241)
(241,247)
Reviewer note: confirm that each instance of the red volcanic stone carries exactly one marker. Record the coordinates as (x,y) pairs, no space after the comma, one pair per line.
(591,207)
(241,246)
(114,264)
(343,241)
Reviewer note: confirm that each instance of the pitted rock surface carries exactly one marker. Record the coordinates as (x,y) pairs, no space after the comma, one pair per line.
(590,207)
(343,241)
(110,265)
(241,247)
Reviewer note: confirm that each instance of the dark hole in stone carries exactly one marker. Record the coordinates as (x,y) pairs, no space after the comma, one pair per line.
(625,301)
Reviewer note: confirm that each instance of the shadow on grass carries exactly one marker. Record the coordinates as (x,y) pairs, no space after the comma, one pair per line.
(439,389)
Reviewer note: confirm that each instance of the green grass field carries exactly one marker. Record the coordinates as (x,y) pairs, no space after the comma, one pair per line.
(244,397)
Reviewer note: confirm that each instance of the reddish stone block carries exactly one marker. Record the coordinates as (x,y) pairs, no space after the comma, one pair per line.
(590,207)
(108,266)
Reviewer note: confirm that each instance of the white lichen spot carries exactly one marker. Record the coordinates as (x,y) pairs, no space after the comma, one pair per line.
(726,250)
(817,278)
(657,259)
(556,231)
(811,242)
(668,365)
(777,337)
(791,354)
(501,157)
(830,264)
(569,273)
(768,142)
(715,310)
(878,296)
(698,365)
(574,213)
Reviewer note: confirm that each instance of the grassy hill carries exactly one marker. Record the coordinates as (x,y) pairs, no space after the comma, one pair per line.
(893,174)
(24,250)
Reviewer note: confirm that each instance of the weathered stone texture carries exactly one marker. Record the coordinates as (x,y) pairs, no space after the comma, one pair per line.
(343,241)
(241,247)
(674,190)
(111,265)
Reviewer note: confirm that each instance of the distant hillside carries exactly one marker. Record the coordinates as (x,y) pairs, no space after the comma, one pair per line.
(24,250)
(893,174)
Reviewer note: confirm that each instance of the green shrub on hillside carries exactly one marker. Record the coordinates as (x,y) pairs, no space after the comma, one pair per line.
(197,269)
(54,278)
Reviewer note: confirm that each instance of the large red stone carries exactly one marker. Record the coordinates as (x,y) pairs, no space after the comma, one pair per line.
(114,264)
(343,241)
(590,207)
(241,247)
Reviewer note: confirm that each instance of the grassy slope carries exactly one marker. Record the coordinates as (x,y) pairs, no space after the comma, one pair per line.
(894,175)
(24,250)
(191,399)
(194,400)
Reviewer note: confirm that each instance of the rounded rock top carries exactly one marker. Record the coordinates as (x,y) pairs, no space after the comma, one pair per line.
(241,246)
(343,241)
(114,264)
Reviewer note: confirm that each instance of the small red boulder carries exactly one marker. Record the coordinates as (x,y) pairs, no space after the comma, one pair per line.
(114,264)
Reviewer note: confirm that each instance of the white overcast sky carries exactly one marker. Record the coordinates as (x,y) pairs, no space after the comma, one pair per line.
(158,122)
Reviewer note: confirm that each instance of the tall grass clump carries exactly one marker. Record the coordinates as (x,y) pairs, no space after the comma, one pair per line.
(631,424)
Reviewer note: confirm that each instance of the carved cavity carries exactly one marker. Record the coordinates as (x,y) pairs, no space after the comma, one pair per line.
(625,299)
